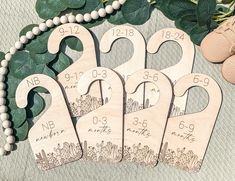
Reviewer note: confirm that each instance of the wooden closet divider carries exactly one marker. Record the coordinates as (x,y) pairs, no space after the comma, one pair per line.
(101,131)
(53,138)
(187,136)
(70,76)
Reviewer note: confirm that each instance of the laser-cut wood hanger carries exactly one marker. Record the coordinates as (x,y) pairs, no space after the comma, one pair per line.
(70,76)
(183,67)
(187,137)
(53,138)
(144,129)
(136,62)
(101,131)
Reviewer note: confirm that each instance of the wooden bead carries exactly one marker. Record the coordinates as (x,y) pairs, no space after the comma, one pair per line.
(71,18)
(94,15)
(8,147)
(10,139)
(43,27)
(3,109)
(4,116)
(109,9)
(36,30)
(2,85)
(8,131)
(56,20)
(116,5)
(23,39)
(63,19)
(2,78)
(3,70)
(2,100)
(6,124)
(102,13)
(2,93)
(87,17)
(8,56)
(49,23)
(13,50)
(18,45)
(4,63)
(79,18)
(30,35)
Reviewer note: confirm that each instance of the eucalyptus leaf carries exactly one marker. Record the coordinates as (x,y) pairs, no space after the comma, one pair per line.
(158,4)
(21,65)
(18,116)
(43,58)
(117,18)
(198,34)
(44,11)
(22,131)
(60,63)
(186,23)
(11,103)
(56,5)
(164,7)
(74,43)
(74,3)
(35,46)
(177,6)
(89,6)
(205,10)
(2,56)
(44,69)
(35,105)
(136,12)
(26,29)
(12,84)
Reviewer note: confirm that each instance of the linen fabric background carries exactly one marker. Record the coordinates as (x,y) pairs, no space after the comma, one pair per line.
(219,162)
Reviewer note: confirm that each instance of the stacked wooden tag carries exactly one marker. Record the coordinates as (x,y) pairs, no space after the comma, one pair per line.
(129,113)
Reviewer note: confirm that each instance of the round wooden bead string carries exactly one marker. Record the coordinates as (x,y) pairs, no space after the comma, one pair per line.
(79,18)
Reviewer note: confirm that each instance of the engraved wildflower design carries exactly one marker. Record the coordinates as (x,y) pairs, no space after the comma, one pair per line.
(179,158)
(62,154)
(103,152)
(141,155)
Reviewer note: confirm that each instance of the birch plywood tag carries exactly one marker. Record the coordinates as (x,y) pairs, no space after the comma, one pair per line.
(70,76)
(175,72)
(144,129)
(137,62)
(101,131)
(53,138)
(187,137)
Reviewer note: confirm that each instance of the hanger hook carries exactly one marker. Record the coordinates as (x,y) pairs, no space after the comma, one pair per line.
(101,73)
(66,30)
(33,81)
(176,35)
(205,82)
(127,32)
(150,76)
